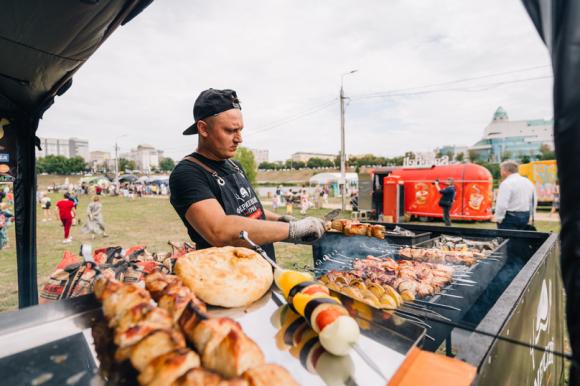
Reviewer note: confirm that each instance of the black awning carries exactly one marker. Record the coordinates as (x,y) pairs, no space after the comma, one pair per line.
(42,44)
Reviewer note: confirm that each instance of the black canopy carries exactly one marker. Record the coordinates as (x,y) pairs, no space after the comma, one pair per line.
(42,44)
(558,22)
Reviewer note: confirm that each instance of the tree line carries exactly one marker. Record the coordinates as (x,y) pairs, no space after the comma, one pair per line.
(314,163)
(58,164)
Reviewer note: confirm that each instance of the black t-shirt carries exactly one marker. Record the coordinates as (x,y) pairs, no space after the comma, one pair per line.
(190,183)
(447,196)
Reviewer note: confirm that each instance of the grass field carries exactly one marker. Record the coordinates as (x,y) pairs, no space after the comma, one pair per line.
(147,221)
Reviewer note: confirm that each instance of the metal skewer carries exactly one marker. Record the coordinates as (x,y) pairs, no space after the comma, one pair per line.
(368,360)
(466,281)
(427,310)
(444,306)
(451,296)
(411,317)
(462,284)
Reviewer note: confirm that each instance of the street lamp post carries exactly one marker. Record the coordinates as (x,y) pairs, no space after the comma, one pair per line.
(117,156)
(342,151)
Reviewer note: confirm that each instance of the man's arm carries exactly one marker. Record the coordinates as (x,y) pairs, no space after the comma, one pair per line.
(436,183)
(271,216)
(501,202)
(219,229)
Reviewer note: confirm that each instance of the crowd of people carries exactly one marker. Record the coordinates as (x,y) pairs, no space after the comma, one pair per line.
(66,213)
(300,198)
(125,189)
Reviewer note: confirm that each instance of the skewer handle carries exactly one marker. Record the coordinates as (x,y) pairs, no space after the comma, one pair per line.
(244,236)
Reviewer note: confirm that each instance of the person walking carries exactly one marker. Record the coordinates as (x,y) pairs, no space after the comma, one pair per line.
(289,203)
(556,199)
(66,213)
(447,198)
(95,224)
(304,202)
(515,199)
(75,200)
(45,204)
(5,219)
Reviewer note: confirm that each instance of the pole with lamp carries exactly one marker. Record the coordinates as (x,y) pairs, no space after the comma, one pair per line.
(117,157)
(342,151)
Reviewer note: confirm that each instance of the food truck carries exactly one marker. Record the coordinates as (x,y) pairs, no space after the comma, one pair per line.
(391,193)
(543,175)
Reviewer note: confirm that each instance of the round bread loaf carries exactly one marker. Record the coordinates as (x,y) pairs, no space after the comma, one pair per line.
(227,276)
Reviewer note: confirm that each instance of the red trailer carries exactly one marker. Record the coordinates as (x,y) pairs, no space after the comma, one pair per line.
(398,191)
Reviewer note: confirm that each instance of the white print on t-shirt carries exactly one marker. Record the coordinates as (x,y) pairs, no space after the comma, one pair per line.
(246,205)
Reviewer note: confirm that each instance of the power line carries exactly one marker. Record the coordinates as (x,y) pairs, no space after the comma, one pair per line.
(462,80)
(481,87)
(293,118)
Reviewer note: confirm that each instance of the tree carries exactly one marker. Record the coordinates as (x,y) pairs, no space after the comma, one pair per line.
(474,155)
(460,157)
(546,152)
(166,164)
(299,165)
(125,164)
(76,165)
(246,158)
(505,155)
(525,159)
(58,164)
(493,169)
(314,162)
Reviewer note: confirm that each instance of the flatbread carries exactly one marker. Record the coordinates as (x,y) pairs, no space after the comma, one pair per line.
(227,276)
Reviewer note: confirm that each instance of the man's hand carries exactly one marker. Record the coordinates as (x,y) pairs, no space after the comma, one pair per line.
(306,230)
(287,218)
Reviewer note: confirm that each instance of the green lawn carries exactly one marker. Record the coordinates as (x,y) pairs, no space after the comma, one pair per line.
(147,221)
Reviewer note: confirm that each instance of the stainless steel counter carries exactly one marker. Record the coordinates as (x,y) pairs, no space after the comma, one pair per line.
(53,345)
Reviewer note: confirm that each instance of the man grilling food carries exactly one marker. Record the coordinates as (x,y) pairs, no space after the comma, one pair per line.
(210,191)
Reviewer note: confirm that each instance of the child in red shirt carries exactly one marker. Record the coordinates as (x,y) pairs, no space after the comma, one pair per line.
(66,213)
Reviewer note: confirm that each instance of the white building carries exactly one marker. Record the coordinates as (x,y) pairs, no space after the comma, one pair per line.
(53,146)
(71,147)
(305,156)
(260,155)
(145,156)
(79,148)
(100,158)
(518,138)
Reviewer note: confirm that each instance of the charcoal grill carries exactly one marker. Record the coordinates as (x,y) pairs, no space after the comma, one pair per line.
(506,284)
(336,252)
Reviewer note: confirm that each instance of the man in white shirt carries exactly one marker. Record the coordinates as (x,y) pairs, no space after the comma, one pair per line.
(515,199)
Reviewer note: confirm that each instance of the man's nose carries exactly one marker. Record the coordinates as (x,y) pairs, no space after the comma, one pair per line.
(238,138)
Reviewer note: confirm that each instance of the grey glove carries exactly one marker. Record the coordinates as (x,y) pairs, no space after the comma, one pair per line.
(307,229)
(287,218)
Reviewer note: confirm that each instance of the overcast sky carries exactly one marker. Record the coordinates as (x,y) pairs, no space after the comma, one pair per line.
(285,59)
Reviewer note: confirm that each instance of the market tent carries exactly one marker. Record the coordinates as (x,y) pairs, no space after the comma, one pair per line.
(333,178)
(127,178)
(43,43)
(158,180)
(558,23)
(97,180)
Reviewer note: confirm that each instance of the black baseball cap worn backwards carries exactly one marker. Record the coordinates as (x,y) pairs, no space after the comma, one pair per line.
(212,102)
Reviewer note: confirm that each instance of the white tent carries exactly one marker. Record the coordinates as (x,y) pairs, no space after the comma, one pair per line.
(333,178)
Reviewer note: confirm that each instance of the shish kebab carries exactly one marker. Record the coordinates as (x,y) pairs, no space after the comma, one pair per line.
(152,337)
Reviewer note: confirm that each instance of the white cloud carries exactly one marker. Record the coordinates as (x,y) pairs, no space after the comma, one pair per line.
(285,57)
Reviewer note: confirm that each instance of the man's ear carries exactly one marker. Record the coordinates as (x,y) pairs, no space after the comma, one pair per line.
(202,128)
